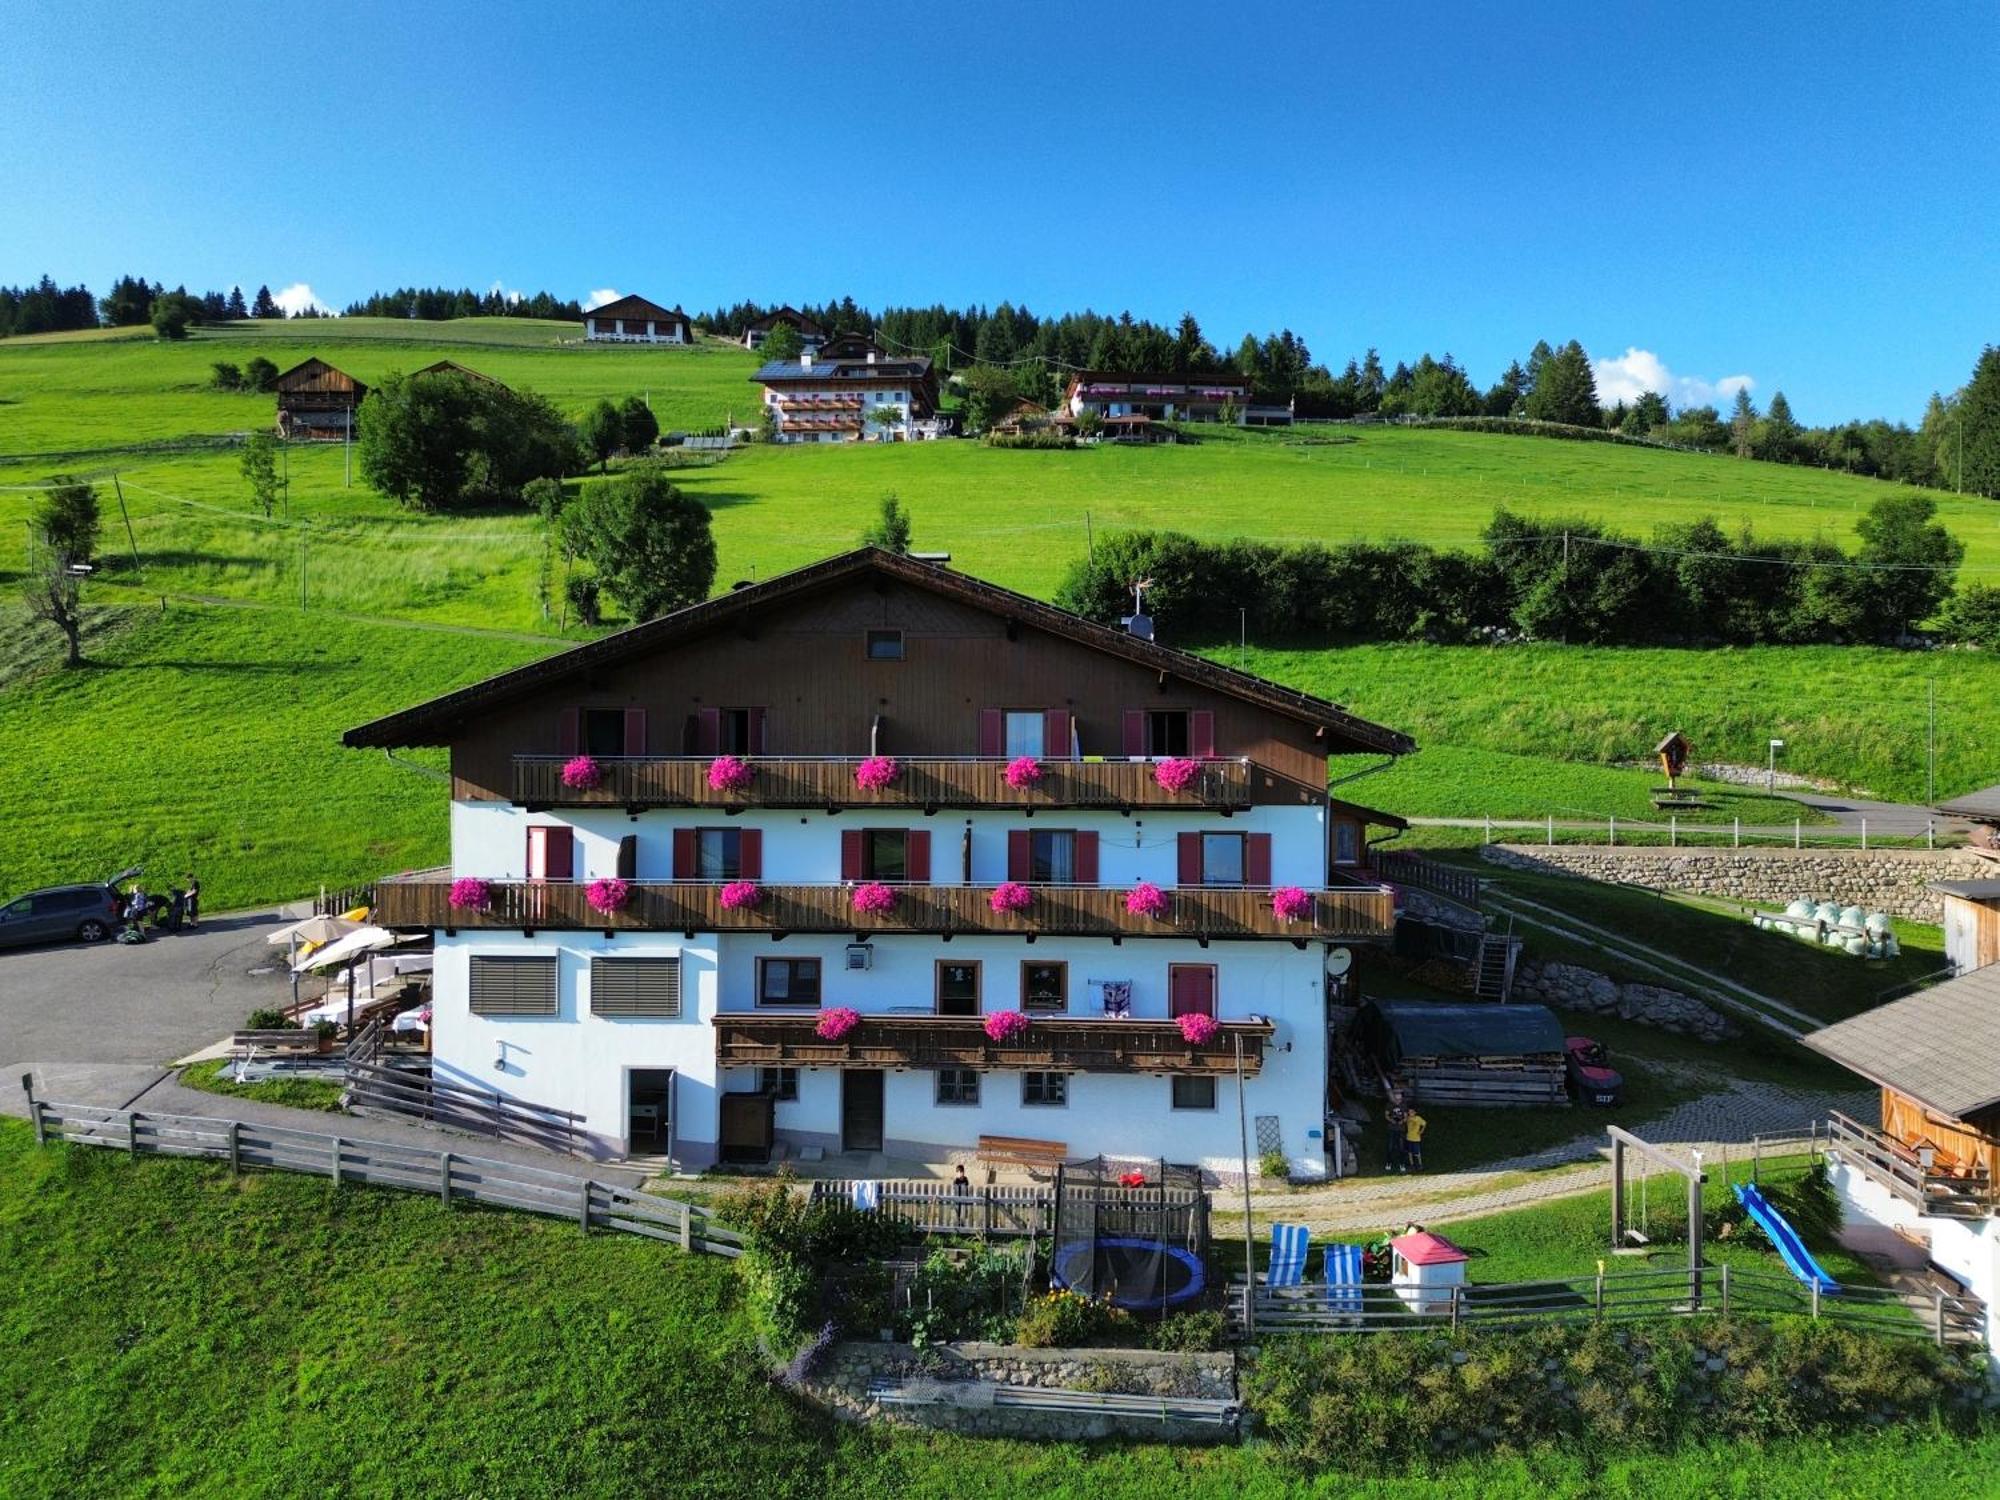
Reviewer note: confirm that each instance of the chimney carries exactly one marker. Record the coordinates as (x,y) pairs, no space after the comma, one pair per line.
(806,360)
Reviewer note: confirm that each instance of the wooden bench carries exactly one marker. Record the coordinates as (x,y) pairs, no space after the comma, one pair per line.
(1021,1151)
(289,1040)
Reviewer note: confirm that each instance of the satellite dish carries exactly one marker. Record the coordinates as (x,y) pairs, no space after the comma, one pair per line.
(1339,962)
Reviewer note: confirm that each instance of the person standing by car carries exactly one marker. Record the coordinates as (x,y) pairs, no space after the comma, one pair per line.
(193,903)
(1414,1126)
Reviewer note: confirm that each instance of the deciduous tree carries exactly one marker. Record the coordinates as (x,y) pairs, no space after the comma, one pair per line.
(650,544)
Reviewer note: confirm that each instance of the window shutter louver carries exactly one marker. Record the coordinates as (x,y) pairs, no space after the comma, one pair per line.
(917,857)
(708,731)
(1135,731)
(1190,858)
(1020,854)
(512,985)
(1201,734)
(750,854)
(635,731)
(992,732)
(1257,859)
(1055,733)
(850,854)
(1086,859)
(635,986)
(754,735)
(569,731)
(684,855)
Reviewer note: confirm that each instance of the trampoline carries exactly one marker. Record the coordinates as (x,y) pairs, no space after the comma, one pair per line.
(1136,1274)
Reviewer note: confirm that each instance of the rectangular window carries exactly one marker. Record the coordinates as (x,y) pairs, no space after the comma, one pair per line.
(1024,733)
(885,854)
(1052,856)
(957,988)
(1222,859)
(734,728)
(1167,731)
(957,1086)
(1346,844)
(1044,1090)
(718,853)
(788,981)
(635,986)
(603,731)
(1193,1092)
(512,985)
(781,1084)
(1044,985)
(885,645)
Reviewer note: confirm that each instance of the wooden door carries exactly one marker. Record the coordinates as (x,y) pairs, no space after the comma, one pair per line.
(861,1109)
(748,1127)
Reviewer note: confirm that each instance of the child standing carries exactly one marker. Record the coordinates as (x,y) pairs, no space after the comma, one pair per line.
(1414,1125)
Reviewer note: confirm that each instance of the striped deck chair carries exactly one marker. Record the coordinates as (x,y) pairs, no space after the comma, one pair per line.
(1343,1278)
(1289,1244)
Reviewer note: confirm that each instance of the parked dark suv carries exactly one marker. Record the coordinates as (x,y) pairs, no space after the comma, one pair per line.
(58,913)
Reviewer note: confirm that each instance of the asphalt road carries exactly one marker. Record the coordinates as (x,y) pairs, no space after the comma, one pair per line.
(98,1023)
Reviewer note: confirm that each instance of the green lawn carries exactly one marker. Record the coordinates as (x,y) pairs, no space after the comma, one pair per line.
(177,1333)
(300,1093)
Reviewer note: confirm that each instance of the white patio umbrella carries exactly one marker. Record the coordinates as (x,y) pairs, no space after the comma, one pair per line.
(313,930)
(345,950)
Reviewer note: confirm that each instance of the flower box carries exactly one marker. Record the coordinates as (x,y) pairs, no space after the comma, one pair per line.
(874,899)
(730,773)
(1290,904)
(1197,1030)
(741,895)
(1176,774)
(1006,1026)
(1147,900)
(1011,896)
(471,894)
(877,772)
(582,774)
(608,895)
(836,1023)
(1023,772)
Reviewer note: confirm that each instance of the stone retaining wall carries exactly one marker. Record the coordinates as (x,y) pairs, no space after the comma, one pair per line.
(842,1387)
(1892,880)
(1573,987)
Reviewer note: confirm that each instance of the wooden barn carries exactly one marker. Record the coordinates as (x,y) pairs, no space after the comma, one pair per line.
(811,334)
(317,402)
(634,320)
(453,367)
(1468,1054)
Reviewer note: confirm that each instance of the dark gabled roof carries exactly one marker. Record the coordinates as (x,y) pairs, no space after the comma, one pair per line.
(453,367)
(432,723)
(1940,1046)
(1425,1028)
(786,314)
(1970,890)
(1374,817)
(1982,806)
(635,306)
(789,371)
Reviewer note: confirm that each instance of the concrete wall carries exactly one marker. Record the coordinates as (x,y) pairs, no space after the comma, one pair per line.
(1968,1249)
(1892,880)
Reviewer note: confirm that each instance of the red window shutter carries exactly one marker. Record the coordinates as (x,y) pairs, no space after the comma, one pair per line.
(628,857)
(569,731)
(1201,734)
(561,854)
(1086,859)
(1256,859)
(684,854)
(1020,854)
(1055,733)
(635,731)
(756,731)
(1135,731)
(992,732)
(917,856)
(1190,852)
(708,732)
(850,854)
(1190,990)
(750,854)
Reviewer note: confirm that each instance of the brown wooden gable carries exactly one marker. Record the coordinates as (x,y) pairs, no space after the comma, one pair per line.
(636,307)
(315,377)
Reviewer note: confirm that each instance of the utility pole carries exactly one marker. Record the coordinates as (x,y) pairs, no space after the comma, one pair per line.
(302,570)
(1930,760)
(130,539)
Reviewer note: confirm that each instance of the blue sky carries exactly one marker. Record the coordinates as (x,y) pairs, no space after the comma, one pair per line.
(1808,199)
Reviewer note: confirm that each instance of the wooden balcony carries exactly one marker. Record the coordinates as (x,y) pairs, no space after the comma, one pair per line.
(1062,1044)
(1899,1168)
(935,782)
(1350,914)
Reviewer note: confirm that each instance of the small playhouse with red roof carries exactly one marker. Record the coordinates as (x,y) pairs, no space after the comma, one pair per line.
(1424,1267)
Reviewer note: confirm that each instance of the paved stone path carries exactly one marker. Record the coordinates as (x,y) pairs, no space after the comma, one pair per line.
(1721,1121)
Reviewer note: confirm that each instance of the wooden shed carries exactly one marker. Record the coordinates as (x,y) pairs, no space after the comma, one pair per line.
(1971,922)
(1440,1053)
(317,401)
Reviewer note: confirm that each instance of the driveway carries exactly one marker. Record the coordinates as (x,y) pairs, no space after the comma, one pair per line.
(98,1023)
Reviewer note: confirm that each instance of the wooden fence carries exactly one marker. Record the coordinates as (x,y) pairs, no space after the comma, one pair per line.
(931,1207)
(451,1175)
(375,1085)
(1622,1296)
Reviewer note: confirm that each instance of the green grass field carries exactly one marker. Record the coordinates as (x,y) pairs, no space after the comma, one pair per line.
(176,1333)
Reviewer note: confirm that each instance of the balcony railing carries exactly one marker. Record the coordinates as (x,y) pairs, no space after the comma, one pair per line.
(1351,914)
(1891,1164)
(1062,1044)
(682,781)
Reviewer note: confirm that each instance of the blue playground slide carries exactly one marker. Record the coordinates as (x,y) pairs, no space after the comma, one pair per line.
(1791,1249)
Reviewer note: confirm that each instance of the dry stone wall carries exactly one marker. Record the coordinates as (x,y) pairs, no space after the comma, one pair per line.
(1896,881)
(1573,987)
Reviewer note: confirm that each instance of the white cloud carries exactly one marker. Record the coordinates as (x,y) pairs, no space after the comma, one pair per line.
(601,296)
(507,292)
(1637,371)
(296,298)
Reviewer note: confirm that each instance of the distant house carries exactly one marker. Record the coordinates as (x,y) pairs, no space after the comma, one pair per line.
(1165,398)
(453,367)
(1971,922)
(811,334)
(634,320)
(1982,810)
(317,402)
(860,393)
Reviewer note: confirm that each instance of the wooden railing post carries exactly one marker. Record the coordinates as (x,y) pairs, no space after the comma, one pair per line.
(687,1227)
(34,1108)
(1454,1307)
(1598,1299)
(1725,1289)
(235,1148)
(131,1131)
(1815,1299)
(444,1178)
(583,1206)
(1939,1295)
(336,1160)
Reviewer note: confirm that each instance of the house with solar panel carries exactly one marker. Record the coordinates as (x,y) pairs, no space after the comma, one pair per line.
(849,390)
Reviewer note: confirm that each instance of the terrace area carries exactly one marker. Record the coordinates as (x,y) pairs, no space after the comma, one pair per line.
(1931,1186)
